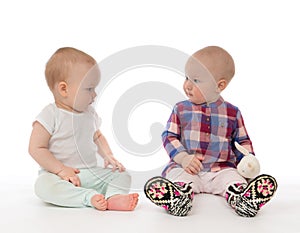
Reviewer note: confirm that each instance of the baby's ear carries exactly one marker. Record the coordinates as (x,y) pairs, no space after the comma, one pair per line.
(62,88)
(222,84)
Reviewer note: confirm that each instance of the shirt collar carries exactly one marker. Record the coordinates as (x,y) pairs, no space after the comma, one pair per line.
(213,104)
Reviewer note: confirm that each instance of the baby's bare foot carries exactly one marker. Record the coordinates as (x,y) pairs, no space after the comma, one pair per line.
(126,202)
(99,202)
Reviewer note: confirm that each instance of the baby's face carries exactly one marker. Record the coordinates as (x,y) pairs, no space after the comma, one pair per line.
(84,78)
(199,86)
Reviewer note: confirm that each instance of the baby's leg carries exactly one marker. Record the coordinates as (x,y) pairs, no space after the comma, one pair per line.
(180,175)
(126,202)
(115,185)
(52,189)
(117,192)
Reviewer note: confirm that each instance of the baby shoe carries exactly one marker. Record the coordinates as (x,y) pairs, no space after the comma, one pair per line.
(176,198)
(258,192)
(233,191)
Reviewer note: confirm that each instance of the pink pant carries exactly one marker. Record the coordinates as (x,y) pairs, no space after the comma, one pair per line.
(208,182)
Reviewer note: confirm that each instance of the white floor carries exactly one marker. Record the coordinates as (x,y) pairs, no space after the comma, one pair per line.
(21,211)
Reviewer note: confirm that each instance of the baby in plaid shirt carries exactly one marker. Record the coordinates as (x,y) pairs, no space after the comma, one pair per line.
(199,139)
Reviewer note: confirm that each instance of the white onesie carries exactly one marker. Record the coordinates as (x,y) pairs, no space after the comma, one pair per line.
(72,135)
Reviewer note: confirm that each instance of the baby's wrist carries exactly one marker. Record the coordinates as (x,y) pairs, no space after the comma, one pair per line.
(110,155)
(180,157)
(59,170)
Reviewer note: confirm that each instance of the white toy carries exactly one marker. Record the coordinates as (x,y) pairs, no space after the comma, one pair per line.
(249,166)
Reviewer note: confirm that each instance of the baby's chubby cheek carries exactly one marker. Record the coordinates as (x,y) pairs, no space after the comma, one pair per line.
(208,91)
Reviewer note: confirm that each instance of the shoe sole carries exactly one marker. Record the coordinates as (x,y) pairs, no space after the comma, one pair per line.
(258,192)
(164,193)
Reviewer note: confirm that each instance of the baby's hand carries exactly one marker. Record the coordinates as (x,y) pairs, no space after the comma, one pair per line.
(116,165)
(192,164)
(69,174)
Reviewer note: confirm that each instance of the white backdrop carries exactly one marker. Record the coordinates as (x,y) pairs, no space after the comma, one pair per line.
(261,36)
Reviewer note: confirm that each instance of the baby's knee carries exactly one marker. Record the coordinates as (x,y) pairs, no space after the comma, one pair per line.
(126,176)
(122,179)
(43,184)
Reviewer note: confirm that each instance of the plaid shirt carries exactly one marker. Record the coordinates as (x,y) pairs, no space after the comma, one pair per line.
(207,129)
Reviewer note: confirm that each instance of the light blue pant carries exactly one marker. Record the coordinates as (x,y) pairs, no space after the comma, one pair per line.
(52,189)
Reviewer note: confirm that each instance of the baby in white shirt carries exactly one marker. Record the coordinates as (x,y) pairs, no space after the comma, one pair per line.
(66,139)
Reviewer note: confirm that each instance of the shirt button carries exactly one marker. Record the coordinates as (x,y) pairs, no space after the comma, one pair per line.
(207,119)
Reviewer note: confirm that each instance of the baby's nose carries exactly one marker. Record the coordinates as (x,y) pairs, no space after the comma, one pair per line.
(189,84)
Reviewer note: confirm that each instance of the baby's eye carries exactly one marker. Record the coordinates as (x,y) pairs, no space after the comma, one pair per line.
(90,89)
(196,80)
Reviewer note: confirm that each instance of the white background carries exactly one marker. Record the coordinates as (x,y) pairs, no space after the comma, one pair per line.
(261,36)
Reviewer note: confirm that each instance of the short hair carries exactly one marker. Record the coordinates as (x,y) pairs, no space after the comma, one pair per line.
(217,60)
(59,64)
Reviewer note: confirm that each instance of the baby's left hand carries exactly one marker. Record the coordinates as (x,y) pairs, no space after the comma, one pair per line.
(116,165)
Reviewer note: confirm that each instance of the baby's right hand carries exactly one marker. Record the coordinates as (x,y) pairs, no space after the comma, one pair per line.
(192,164)
(69,174)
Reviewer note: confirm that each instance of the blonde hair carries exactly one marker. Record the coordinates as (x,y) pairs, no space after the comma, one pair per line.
(218,61)
(59,64)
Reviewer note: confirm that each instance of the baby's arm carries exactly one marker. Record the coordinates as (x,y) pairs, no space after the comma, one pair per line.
(106,153)
(38,149)
(241,136)
(190,163)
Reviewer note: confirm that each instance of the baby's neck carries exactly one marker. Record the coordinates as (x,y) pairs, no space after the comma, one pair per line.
(66,107)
